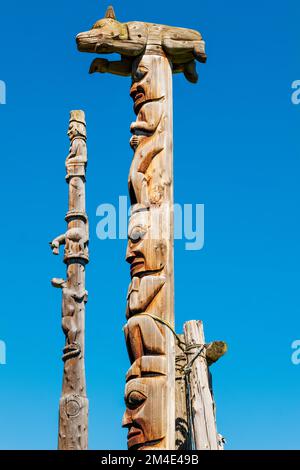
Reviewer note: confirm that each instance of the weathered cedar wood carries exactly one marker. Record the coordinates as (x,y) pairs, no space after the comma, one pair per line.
(202,405)
(73,409)
(150,53)
(182,427)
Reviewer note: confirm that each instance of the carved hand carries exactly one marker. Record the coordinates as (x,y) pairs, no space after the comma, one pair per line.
(135,141)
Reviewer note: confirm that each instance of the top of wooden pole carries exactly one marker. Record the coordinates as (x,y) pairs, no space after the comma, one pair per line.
(135,38)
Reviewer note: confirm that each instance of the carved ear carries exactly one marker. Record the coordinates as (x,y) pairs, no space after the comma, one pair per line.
(110,13)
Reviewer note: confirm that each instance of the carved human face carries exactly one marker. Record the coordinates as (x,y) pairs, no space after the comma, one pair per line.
(146,253)
(76,129)
(72,131)
(145,86)
(144,415)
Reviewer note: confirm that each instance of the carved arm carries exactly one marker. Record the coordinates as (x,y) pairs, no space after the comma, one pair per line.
(57,242)
(142,292)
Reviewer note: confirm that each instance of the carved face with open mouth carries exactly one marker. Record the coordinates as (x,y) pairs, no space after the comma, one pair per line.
(145,88)
(146,253)
(140,88)
(143,416)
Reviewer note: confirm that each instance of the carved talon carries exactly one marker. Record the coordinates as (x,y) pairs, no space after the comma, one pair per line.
(99,65)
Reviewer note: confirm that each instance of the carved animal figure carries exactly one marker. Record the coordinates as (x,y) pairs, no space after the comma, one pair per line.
(131,39)
(73,238)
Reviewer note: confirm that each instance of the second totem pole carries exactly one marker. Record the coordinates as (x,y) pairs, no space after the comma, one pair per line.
(73,409)
(150,53)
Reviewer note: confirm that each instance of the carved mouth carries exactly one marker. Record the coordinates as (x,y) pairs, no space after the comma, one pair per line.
(134,437)
(137,266)
(90,41)
(138,96)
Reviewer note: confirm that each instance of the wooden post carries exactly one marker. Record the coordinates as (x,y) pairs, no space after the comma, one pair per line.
(201,402)
(150,53)
(182,423)
(73,409)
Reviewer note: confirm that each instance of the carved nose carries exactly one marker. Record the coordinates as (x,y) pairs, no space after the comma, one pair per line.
(126,421)
(129,257)
(129,254)
(133,90)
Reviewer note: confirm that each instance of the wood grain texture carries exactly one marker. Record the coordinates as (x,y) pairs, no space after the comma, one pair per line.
(150,54)
(182,46)
(201,399)
(150,382)
(73,409)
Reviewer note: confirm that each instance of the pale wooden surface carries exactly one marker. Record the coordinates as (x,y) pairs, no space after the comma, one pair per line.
(150,253)
(150,53)
(73,409)
(201,401)
(182,46)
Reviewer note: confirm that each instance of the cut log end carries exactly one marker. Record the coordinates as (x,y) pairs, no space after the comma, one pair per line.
(215,351)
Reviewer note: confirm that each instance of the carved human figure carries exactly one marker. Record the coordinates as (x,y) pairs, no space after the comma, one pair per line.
(145,392)
(70,304)
(149,54)
(149,129)
(147,256)
(146,253)
(78,150)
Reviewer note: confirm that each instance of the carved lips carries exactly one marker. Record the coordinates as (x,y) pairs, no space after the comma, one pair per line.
(137,93)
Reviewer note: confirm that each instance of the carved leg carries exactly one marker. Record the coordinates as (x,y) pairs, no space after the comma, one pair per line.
(69,328)
(190,72)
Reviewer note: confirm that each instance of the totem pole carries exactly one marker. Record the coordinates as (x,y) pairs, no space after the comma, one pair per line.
(150,53)
(73,410)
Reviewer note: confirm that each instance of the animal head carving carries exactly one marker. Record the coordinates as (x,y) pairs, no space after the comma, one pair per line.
(100,39)
(183,46)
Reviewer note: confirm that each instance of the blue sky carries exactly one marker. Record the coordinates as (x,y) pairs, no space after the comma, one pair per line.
(236,137)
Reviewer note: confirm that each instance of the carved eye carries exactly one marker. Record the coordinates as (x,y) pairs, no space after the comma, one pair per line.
(137,233)
(139,74)
(135,399)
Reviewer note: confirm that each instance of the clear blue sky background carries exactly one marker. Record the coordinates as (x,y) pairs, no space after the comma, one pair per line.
(236,151)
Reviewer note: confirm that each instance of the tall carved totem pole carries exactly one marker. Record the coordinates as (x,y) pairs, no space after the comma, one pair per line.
(73,410)
(150,53)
